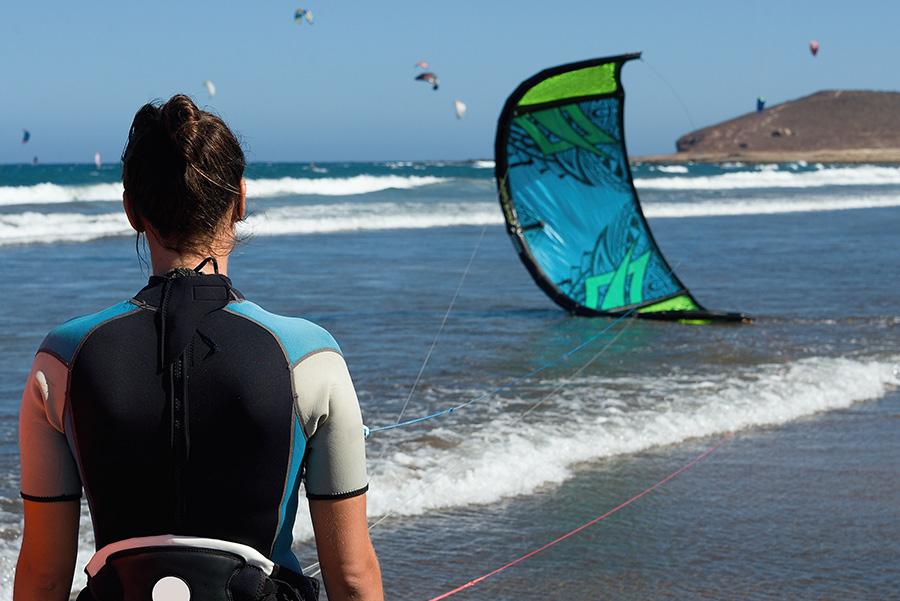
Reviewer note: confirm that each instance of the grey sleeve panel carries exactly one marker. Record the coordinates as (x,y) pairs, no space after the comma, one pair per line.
(329,412)
(49,471)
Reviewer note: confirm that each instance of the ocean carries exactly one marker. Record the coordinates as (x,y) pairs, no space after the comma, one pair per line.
(802,499)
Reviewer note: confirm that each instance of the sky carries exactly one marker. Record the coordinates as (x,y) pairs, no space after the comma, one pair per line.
(74,73)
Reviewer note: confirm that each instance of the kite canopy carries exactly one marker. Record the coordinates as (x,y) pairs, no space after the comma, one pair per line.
(460,107)
(303,13)
(429,78)
(26,135)
(569,201)
(210,88)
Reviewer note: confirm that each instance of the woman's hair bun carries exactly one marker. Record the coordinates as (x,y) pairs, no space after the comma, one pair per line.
(180,117)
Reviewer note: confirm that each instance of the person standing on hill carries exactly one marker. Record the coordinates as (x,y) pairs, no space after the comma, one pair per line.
(189,415)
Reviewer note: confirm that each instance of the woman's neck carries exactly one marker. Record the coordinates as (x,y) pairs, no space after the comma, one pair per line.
(164,260)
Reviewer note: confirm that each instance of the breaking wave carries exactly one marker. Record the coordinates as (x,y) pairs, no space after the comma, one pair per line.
(483,164)
(725,208)
(48,193)
(34,227)
(596,417)
(772,177)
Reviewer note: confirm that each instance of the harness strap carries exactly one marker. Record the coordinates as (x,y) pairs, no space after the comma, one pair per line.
(170,568)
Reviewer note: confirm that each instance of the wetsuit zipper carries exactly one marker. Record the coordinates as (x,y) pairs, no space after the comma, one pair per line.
(179,435)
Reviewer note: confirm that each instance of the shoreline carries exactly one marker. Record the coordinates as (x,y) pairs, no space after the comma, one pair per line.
(884,156)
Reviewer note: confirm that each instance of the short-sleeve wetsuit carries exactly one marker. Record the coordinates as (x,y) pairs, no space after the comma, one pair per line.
(188,410)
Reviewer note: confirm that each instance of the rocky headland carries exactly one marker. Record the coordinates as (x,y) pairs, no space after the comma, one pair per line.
(835,126)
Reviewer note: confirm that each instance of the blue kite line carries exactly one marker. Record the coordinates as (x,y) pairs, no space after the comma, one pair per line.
(369,431)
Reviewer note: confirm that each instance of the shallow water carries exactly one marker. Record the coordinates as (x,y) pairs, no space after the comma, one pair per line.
(801,504)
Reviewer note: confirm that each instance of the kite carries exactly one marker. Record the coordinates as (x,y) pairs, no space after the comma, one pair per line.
(569,201)
(26,135)
(814,47)
(429,78)
(303,13)
(460,107)
(210,88)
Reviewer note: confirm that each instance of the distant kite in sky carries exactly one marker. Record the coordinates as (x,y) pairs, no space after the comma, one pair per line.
(814,47)
(26,135)
(760,104)
(210,88)
(98,162)
(460,108)
(429,78)
(422,64)
(303,13)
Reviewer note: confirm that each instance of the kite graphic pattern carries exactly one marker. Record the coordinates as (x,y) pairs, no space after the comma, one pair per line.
(569,201)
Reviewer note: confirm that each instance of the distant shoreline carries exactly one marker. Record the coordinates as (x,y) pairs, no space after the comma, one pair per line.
(888,156)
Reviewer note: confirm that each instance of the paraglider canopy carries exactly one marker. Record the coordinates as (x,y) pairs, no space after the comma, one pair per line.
(429,78)
(814,47)
(303,13)
(460,108)
(210,88)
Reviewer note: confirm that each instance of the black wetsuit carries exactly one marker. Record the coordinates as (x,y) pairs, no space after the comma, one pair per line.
(189,411)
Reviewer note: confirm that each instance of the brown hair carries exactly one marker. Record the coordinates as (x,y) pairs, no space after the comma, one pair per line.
(182,170)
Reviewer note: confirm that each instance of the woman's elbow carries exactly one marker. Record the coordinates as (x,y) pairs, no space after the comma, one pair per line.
(39,582)
(360,581)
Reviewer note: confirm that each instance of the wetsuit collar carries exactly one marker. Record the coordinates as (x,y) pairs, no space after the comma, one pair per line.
(150,296)
(183,298)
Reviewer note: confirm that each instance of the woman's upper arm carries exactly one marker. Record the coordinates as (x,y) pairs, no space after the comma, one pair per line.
(335,457)
(335,476)
(50,486)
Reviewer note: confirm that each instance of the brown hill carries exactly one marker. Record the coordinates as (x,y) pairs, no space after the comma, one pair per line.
(833,125)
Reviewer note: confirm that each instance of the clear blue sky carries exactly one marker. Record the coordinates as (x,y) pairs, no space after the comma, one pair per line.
(75,72)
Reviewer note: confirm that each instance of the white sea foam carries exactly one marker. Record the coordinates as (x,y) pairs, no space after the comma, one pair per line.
(483,164)
(724,208)
(33,227)
(596,418)
(345,217)
(769,176)
(671,168)
(330,186)
(48,193)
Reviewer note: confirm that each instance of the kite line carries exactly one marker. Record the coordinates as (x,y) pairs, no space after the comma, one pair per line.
(587,525)
(515,380)
(443,323)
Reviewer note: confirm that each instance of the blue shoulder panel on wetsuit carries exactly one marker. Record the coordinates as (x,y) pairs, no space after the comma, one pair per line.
(298,337)
(64,340)
(287,510)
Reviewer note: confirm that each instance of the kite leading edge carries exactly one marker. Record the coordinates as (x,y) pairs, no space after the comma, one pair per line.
(570,204)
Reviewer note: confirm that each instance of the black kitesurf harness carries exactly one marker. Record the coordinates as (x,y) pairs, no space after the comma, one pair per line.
(169,572)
